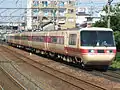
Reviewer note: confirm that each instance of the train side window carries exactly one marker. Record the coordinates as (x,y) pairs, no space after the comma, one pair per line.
(72,39)
(54,39)
(41,38)
(34,38)
(25,38)
(17,37)
(60,40)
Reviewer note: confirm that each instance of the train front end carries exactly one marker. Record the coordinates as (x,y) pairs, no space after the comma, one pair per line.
(97,46)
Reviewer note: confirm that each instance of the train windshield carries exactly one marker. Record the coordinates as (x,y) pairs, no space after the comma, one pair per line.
(97,38)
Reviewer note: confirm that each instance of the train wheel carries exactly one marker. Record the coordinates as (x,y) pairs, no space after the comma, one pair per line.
(86,67)
(104,68)
(83,65)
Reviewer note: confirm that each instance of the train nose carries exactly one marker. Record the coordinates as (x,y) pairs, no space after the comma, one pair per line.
(98,59)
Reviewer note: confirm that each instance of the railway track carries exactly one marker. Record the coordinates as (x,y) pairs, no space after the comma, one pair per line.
(12,63)
(13,84)
(111,75)
(76,82)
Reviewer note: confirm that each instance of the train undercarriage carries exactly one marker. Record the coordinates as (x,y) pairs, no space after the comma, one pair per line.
(69,60)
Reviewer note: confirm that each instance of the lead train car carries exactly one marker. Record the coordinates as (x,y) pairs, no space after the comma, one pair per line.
(87,46)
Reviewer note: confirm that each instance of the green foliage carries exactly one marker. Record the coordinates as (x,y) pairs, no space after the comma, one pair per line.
(100,24)
(117,56)
(116,62)
(117,38)
(115,18)
(115,22)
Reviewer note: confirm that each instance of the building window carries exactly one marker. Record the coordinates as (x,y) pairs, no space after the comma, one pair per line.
(44,3)
(62,12)
(46,13)
(70,10)
(72,39)
(71,2)
(61,4)
(71,19)
(35,3)
(53,3)
(35,10)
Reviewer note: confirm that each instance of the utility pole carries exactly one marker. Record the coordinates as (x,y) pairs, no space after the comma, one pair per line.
(54,17)
(109,3)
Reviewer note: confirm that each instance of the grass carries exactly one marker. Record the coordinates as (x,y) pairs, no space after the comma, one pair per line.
(116,62)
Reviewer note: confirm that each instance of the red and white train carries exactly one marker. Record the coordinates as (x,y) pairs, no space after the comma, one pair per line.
(89,46)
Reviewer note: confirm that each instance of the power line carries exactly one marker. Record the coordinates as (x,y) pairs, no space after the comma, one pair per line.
(17,1)
(14,11)
(18,8)
(3,11)
(12,22)
(16,16)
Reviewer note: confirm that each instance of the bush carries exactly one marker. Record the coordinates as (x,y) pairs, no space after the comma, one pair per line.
(117,39)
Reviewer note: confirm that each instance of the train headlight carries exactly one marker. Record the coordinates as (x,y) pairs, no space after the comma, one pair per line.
(109,51)
(91,51)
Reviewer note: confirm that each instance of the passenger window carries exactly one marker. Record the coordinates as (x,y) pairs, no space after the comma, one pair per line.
(72,39)
(54,39)
(24,37)
(41,38)
(60,40)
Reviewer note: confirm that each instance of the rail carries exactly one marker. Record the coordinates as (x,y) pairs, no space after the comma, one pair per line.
(61,75)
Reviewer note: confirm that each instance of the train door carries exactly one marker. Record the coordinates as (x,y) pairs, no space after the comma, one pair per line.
(20,39)
(29,39)
(72,43)
(66,36)
(46,40)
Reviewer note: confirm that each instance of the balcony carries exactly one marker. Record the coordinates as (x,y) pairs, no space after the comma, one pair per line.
(51,6)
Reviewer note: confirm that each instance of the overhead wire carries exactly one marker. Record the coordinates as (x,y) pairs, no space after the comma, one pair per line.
(17,1)
(10,15)
(14,11)
(19,16)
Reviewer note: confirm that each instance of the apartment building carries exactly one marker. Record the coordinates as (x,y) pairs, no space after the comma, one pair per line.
(62,12)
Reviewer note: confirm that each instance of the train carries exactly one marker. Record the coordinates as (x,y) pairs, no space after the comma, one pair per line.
(90,46)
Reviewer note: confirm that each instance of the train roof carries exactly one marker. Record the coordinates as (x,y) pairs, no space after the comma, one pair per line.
(96,29)
(73,29)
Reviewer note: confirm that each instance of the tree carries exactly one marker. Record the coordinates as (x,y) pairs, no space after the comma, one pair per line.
(101,23)
(115,18)
(115,22)
(117,39)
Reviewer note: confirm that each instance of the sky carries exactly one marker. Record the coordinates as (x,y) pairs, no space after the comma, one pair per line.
(12,12)
(95,4)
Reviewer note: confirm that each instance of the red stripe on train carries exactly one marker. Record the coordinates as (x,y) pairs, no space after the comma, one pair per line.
(83,51)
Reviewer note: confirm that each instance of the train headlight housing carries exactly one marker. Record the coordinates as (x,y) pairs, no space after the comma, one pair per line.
(109,51)
(91,51)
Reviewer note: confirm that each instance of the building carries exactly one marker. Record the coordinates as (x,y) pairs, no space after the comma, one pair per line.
(83,17)
(29,14)
(60,12)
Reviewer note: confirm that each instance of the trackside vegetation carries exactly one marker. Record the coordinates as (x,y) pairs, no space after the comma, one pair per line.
(116,62)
